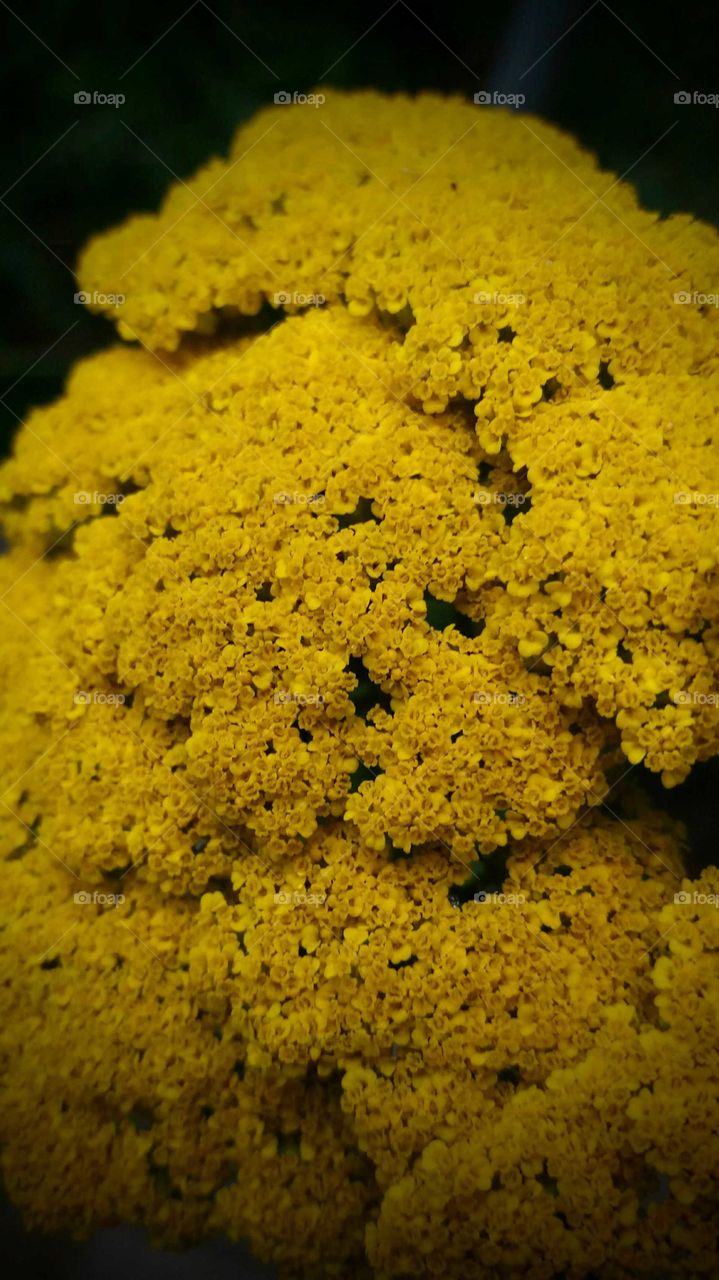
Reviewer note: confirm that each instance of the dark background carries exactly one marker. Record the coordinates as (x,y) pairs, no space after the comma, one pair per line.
(191,72)
(610,79)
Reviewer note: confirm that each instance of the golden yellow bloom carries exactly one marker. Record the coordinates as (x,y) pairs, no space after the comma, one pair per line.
(194,1065)
(334,609)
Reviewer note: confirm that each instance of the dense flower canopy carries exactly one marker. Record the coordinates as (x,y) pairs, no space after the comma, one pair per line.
(361,1049)
(336,610)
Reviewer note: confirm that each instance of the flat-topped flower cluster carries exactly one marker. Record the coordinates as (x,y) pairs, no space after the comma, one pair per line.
(337,610)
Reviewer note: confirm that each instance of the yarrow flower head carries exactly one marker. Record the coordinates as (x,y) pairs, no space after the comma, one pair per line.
(373,574)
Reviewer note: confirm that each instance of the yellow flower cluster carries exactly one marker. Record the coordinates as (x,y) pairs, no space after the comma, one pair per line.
(553,316)
(353,1060)
(328,626)
(126,1093)
(282,546)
